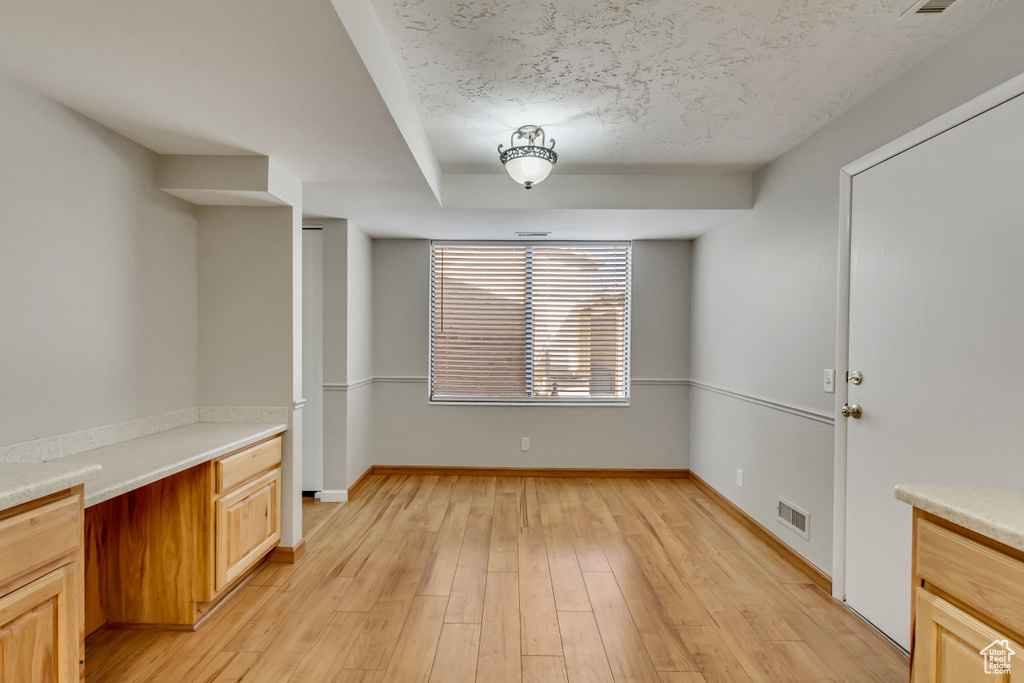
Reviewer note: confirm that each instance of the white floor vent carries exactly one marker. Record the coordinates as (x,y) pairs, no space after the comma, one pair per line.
(796,519)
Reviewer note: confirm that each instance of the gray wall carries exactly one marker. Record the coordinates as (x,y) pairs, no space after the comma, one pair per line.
(764,290)
(348,347)
(245,306)
(335,354)
(360,305)
(98,298)
(653,432)
(360,353)
(313,359)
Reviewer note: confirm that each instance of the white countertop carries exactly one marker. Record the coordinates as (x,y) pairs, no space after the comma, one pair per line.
(132,464)
(993,511)
(21,482)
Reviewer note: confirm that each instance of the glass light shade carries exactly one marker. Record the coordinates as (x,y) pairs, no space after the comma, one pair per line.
(528,169)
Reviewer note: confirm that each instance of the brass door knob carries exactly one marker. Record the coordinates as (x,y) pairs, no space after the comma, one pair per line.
(852,410)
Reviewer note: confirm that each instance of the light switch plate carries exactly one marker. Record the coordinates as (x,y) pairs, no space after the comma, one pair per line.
(830,381)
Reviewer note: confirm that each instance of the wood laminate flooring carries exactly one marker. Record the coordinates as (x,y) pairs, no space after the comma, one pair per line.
(315,514)
(427,579)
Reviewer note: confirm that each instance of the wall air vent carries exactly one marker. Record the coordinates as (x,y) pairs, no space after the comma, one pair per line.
(532,234)
(796,519)
(929,7)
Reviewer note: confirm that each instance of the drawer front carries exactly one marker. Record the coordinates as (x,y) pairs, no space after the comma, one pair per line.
(248,526)
(232,470)
(984,578)
(39,631)
(951,646)
(32,538)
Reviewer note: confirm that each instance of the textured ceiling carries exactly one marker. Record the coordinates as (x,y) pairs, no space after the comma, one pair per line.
(650,84)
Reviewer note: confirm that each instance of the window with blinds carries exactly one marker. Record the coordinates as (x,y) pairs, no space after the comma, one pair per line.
(529,322)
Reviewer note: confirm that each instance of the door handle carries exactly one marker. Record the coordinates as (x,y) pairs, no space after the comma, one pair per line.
(852,410)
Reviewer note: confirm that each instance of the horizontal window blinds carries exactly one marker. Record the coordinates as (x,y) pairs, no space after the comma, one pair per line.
(530,322)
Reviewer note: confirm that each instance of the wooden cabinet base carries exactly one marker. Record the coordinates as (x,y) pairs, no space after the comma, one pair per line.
(203,610)
(164,555)
(41,627)
(247,526)
(154,536)
(954,645)
(968,597)
(39,630)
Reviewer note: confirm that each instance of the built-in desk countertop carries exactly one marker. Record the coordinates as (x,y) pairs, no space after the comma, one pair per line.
(21,482)
(132,464)
(996,512)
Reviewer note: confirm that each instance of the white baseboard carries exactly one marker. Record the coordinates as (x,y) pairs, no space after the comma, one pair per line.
(336,496)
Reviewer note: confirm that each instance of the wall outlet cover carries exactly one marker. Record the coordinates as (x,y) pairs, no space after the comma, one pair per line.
(524,444)
(739,478)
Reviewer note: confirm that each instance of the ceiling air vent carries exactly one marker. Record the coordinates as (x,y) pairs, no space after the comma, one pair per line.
(532,234)
(796,519)
(929,7)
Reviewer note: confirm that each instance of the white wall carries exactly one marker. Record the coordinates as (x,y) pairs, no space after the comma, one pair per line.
(245,306)
(348,353)
(313,359)
(98,300)
(661,309)
(335,354)
(360,353)
(764,289)
(360,305)
(653,432)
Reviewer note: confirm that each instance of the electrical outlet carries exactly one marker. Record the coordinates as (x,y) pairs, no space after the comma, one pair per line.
(524,444)
(739,478)
(830,381)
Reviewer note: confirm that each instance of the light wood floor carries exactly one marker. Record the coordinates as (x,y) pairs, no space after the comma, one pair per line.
(443,580)
(315,514)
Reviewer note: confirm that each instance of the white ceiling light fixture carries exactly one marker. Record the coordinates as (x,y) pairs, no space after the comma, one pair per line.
(529,163)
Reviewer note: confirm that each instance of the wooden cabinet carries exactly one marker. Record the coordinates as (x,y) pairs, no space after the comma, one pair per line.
(968,606)
(247,526)
(950,645)
(41,628)
(166,553)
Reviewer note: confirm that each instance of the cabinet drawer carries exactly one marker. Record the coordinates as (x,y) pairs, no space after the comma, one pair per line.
(32,538)
(232,470)
(949,646)
(39,631)
(986,579)
(247,526)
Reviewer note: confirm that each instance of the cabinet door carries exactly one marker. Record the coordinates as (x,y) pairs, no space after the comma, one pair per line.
(951,646)
(248,526)
(38,631)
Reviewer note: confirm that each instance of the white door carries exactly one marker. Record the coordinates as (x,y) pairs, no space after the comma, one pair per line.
(937,329)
